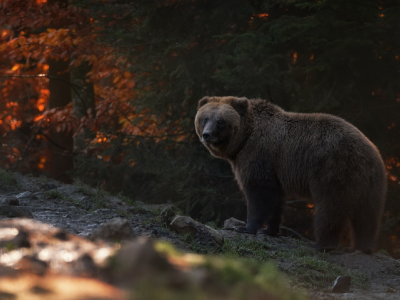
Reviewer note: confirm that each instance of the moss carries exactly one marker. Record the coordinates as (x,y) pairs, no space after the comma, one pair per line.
(122,213)
(98,197)
(303,265)
(166,249)
(101,195)
(126,199)
(155,211)
(7,180)
(384,252)
(86,190)
(227,278)
(155,220)
(56,194)
(42,179)
(212,224)
(10,246)
(195,245)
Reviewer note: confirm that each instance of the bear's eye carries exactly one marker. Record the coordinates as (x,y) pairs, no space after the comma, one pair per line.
(220,122)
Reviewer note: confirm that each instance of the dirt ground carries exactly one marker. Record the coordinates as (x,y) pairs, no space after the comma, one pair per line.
(79,210)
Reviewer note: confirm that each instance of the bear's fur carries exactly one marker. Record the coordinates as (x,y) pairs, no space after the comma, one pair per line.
(315,156)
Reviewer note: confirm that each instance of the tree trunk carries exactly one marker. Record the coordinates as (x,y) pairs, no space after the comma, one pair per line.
(60,96)
(82,100)
(61,142)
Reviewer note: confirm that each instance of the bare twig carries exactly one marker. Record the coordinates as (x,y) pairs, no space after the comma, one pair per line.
(296,233)
(56,144)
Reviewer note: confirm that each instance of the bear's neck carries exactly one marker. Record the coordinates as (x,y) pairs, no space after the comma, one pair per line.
(240,138)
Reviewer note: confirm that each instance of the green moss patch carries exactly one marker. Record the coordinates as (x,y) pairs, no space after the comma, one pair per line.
(56,194)
(223,278)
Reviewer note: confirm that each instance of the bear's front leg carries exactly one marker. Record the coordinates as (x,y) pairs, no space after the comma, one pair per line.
(264,205)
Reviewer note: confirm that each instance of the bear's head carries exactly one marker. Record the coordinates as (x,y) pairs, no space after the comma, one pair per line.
(218,123)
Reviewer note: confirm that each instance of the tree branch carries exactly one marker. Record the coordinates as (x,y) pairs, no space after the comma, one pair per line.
(73,86)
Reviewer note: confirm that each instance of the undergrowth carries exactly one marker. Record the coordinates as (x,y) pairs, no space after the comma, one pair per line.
(7,180)
(56,194)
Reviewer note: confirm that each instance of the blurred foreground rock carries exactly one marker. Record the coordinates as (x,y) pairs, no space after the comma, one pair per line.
(138,261)
(38,261)
(28,286)
(51,264)
(11,211)
(11,200)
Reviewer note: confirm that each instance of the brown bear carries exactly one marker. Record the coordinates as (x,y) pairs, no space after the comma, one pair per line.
(274,153)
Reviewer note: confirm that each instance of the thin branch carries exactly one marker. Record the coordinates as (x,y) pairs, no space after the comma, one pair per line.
(38,131)
(73,86)
(296,233)
(56,144)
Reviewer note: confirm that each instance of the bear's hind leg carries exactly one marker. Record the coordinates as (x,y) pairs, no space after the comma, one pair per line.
(365,229)
(274,213)
(330,220)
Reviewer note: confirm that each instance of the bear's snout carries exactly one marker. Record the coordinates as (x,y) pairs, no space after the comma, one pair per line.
(206,136)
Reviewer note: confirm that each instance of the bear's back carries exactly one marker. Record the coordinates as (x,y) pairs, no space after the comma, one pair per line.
(314,149)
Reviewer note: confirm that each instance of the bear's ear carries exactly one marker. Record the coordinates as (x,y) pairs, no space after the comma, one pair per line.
(203,101)
(239,104)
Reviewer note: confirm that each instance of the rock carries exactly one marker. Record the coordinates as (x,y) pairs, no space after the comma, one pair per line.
(38,290)
(7,296)
(184,224)
(11,200)
(341,284)
(85,265)
(116,229)
(33,264)
(232,222)
(138,260)
(26,196)
(21,240)
(10,211)
(61,235)
(48,186)
(215,234)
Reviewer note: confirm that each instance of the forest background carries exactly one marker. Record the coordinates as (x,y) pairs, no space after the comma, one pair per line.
(105,92)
